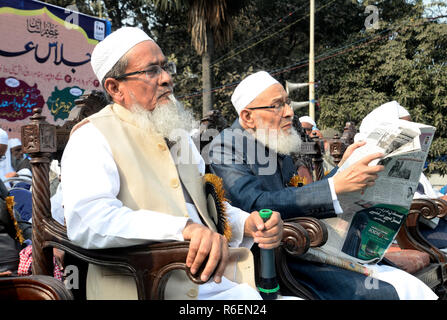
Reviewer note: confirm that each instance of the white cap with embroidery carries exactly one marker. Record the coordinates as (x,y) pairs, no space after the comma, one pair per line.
(3,137)
(107,52)
(250,88)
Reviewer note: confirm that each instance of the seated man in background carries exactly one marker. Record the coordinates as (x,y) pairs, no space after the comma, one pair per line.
(434,230)
(6,169)
(131,175)
(252,158)
(19,160)
(310,126)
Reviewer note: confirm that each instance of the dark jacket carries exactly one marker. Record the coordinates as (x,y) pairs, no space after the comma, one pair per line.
(9,243)
(255,177)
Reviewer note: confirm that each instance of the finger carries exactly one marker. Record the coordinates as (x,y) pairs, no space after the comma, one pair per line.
(270,243)
(272,239)
(192,252)
(202,253)
(272,232)
(274,220)
(213,258)
(350,149)
(258,221)
(367,159)
(373,169)
(223,262)
(355,145)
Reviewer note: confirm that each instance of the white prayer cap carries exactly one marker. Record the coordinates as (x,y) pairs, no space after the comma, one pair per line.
(107,53)
(25,173)
(3,137)
(308,120)
(390,111)
(14,142)
(250,88)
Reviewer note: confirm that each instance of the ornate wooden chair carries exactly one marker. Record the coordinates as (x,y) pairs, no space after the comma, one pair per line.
(411,242)
(149,264)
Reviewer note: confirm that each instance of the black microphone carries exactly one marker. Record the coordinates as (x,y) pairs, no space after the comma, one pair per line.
(268,284)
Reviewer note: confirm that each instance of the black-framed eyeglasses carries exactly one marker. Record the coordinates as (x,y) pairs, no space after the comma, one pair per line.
(278,108)
(152,71)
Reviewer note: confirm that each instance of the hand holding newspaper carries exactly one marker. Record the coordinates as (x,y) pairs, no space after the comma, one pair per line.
(371,219)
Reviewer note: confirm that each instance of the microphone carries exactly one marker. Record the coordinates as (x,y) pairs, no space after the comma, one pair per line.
(268,284)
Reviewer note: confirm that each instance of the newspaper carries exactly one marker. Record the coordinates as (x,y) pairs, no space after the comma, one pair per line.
(373,217)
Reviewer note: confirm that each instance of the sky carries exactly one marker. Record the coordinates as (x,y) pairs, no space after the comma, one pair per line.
(437,9)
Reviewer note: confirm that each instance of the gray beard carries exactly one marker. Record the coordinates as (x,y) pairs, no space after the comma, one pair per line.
(278,140)
(171,120)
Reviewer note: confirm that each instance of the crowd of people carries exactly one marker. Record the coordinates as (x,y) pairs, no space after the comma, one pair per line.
(148,182)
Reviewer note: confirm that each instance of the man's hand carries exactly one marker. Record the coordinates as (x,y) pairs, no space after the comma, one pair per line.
(206,243)
(267,235)
(349,150)
(358,176)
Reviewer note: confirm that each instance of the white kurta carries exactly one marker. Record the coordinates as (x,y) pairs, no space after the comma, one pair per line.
(95,218)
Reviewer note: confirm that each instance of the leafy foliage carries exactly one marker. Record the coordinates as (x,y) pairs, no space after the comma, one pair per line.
(357,69)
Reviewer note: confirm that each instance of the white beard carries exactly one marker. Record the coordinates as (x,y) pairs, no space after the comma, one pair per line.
(278,140)
(168,119)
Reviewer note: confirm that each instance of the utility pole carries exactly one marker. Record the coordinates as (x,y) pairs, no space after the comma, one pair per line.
(99,8)
(312,62)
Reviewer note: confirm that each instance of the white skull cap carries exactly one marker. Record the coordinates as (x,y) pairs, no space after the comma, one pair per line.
(107,52)
(3,137)
(308,120)
(250,88)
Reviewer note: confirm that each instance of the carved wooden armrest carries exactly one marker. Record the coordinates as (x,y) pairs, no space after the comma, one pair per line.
(442,207)
(316,230)
(409,236)
(149,264)
(299,235)
(35,287)
(295,240)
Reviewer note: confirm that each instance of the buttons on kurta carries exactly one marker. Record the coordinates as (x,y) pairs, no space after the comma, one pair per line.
(175,183)
(192,293)
(162,147)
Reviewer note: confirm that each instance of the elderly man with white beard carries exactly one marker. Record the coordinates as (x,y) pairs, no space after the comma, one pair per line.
(252,158)
(125,181)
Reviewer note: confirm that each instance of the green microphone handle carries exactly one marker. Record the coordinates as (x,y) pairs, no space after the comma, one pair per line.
(268,284)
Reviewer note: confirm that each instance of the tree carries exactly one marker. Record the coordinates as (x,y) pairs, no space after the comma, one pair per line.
(210,24)
(405,61)
(356,69)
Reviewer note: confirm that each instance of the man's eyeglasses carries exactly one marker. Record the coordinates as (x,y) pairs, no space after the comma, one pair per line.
(152,71)
(279,108)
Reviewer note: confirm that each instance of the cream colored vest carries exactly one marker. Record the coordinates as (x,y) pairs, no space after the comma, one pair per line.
(149,179)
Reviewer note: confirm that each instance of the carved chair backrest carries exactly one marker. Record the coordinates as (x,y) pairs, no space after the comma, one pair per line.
(338,145)
(44,142)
